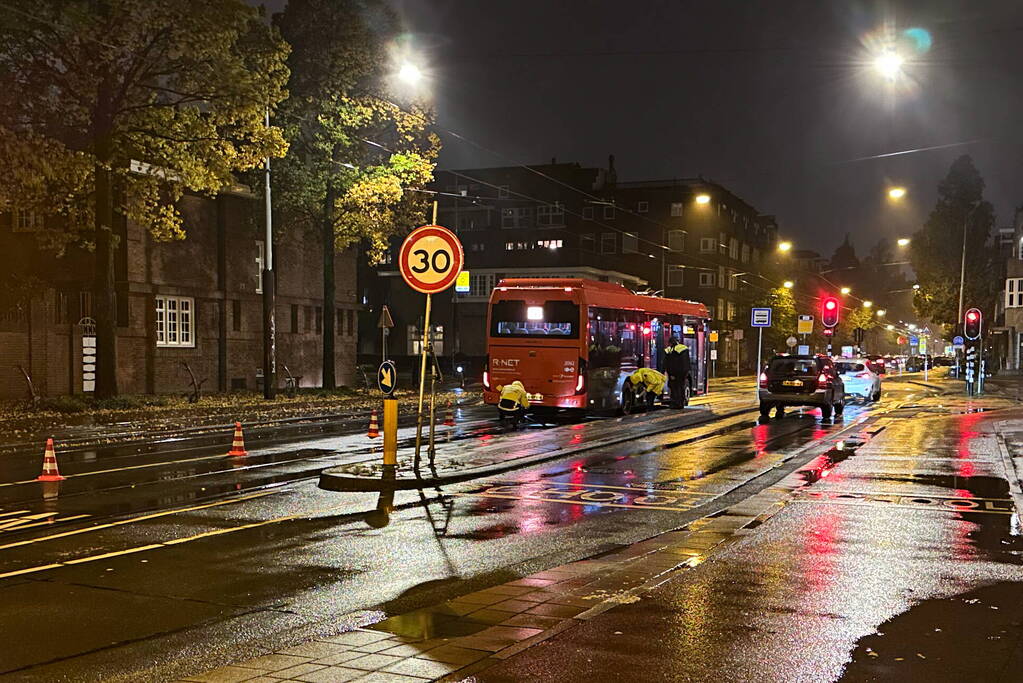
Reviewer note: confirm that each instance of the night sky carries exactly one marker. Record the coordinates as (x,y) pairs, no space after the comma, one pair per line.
(775,99)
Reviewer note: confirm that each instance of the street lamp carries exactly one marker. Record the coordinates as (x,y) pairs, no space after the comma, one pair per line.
(703,199)
(889,327)
(916,286)
(896,192)
(845,290)
(410,73)
(880,312)
(788,284)
(889,64)
(868,304)
(784,246)
(903,242)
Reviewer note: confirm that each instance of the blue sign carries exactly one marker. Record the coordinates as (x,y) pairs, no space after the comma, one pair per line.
(958,340)
(387,377)
(760,317)
(914,341)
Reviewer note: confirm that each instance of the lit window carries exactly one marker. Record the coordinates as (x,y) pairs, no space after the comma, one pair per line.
(260,256)
(745,253)
(28,221)
(676,208)
(175,321)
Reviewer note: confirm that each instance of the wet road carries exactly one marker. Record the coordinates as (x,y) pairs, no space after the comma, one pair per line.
(228,559)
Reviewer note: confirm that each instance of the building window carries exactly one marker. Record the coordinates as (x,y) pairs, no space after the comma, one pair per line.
(708,245)
(733,249)
(745,253)
(630,243)
(549,216)
(481,284)
(676,208)
(26,220)
(721,277)
(350,322)
(731,311)
(642,207)
(308,318)
(260,256)
(587,242)
(607,243)
(677,240)
(175,323)
(415,340)
(675,276)
(550,244)
(294,318)
(733,281)
(517,217)
(722,310)
(587,213)
(1014,292)
(706,279)
(502,192)
(609,213)
(319,320)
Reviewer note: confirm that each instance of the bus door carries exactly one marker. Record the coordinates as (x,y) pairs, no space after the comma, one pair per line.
(693,338)
(658,342)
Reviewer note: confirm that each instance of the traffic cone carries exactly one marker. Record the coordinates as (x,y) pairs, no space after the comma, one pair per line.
(374,428)
(238,445)
(449,417)
(50,472)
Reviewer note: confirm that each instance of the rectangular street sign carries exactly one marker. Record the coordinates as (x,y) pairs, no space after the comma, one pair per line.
(760,317)
(803,349)
(914,340)
(805,324)
(462,282)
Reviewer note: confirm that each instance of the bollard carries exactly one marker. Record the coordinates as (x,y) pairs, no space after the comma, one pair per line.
(390,431)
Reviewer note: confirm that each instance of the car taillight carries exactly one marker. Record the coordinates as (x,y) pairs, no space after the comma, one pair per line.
(486,380)
(763,380)
(580,382)
(863,375)
(822,378)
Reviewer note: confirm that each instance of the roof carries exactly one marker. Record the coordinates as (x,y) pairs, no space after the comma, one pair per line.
(598,293)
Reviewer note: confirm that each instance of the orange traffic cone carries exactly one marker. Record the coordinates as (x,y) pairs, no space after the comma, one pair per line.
(374,428)
(449,417)
(238,445)
(50,472)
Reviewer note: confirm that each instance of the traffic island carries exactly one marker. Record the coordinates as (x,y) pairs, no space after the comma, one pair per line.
(463,462)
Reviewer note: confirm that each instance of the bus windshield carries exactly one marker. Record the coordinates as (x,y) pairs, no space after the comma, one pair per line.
(552,319)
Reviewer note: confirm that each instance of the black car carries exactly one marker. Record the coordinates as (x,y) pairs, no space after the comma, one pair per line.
(794,380)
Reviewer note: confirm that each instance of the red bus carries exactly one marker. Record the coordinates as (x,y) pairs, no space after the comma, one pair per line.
(574,342)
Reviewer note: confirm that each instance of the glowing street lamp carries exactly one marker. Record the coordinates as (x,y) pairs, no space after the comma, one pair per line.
(784,246)
(916,286)
(703,199)
(868,304)
(903,242)
(410,73)
(896,192)
(845,290)
(889,64)
(880,312)
(889,327)
(788,284)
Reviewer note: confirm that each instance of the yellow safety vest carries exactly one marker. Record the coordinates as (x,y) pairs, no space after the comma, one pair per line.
(515,392)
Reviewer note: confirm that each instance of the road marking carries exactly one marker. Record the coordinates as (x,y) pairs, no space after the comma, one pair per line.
(998,506)
(29,521)
(122,522)
(648,489)
(589,495)
(12,512)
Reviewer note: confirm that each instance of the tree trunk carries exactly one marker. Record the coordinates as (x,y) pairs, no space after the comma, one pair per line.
(329,332)
(104,294)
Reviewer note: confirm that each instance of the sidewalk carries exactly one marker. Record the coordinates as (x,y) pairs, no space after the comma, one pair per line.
(893,553)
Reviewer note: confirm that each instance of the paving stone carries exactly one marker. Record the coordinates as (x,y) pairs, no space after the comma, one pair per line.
(338,658)
(316,650)
(479,598)
(357,637)
(293,671)
(508,589)
(274,662)
(332,674)
(532,621)
(454,654)
(384,677)
(549,609)
(489,616)
(532,581)
(372,662)
(424,668)
(513,605)
(410,649)
(376,647)
(496,637)
(227,674)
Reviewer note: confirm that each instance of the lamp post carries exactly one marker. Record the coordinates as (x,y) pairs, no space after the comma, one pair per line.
(962,263)
(269,293)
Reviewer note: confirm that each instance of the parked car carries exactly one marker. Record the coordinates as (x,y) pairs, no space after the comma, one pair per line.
(916,363)
(877,364)
(859,378)
(798,380)
(944,361)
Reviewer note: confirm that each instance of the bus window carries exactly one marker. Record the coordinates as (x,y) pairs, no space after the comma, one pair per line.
(556,319)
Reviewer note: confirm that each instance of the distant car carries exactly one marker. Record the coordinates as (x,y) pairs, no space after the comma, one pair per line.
(944,361)
(801,380)
(916,363)
(859,379)
(877,364)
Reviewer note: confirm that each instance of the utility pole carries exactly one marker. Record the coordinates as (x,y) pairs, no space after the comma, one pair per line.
(269,295)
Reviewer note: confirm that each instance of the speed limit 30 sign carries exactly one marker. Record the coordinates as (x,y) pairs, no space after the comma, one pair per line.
(430,259)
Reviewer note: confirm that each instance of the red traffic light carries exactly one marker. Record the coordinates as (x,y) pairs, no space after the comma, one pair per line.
(972,316)
(829,311)
(972,324)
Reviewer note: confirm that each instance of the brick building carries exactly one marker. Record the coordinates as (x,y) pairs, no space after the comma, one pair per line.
(195,301)
(688,238)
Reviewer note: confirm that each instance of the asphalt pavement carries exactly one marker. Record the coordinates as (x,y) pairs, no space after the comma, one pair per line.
(188,563)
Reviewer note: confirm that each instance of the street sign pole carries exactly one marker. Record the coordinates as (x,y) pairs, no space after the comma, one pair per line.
(422,380)
(760,362)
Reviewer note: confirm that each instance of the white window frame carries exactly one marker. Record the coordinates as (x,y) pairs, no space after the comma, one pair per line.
(630,243)
(707,279)
(733,281)
(676,276)
(642,207)
(676,240)
(708,245)
(27,220)
(733,249)
(260,256)
(1014,292)
(516,217)
(676,208)
(608,237)
(550,215)
(745,253)
(175,321)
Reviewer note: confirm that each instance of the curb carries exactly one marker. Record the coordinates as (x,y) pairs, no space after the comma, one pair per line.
(331,481)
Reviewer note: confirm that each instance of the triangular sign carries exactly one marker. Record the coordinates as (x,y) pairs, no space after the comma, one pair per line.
(385,318)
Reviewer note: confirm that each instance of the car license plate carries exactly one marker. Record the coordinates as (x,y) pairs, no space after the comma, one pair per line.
(534,397)
(793,383)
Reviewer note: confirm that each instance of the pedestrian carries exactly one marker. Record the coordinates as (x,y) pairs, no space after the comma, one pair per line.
(647,381)
(679,366)
(513,403)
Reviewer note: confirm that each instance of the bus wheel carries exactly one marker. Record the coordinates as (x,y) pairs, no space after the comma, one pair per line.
(628,403)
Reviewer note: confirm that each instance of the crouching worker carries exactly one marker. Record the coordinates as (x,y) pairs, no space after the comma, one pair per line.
(648,384)
(513,404)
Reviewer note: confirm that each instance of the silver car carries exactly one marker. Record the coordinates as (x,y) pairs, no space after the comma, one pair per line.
(860,381)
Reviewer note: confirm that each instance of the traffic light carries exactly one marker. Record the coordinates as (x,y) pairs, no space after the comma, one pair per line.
(972,323)
(829,311)
(828,332)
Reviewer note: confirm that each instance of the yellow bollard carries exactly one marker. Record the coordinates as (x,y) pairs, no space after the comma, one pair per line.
(390,431)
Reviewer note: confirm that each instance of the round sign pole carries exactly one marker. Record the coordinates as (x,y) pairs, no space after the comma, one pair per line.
(430,260)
